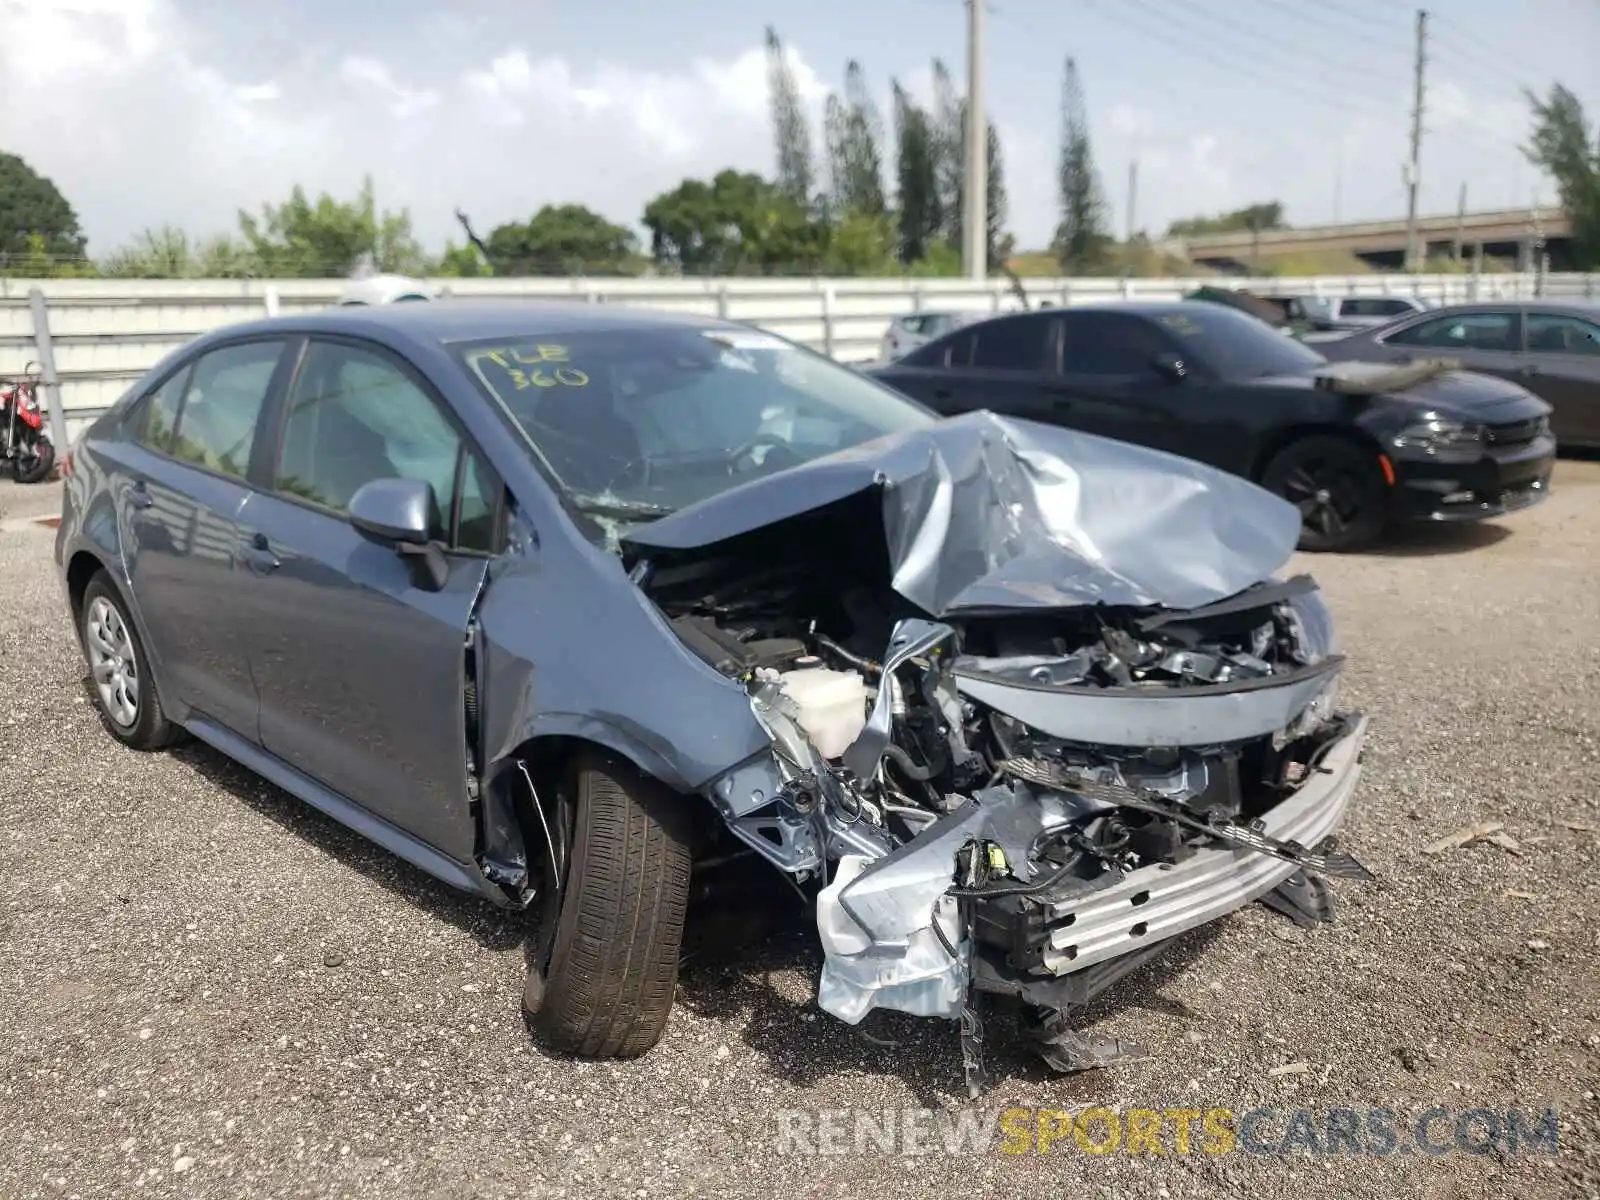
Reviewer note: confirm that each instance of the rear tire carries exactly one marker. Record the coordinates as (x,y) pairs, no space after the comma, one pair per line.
(117,658)
(39,466)
(1338,486)
(614,962)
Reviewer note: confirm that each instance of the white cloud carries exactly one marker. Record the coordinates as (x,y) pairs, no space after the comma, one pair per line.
(140,124)
(114,100)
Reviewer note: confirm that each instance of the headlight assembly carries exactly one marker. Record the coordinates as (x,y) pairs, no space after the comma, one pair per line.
(1441,434)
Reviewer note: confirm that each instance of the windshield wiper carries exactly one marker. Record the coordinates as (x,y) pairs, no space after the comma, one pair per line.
(624,510)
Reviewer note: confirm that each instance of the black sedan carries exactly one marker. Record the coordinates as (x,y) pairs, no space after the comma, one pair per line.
(1354,447)
(1550,348)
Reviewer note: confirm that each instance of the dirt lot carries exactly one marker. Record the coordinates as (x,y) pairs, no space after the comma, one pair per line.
(209,990)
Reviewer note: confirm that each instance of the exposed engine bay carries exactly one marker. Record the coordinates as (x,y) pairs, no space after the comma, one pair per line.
(1025,803)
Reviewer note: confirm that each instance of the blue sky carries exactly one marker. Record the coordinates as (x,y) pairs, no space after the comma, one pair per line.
(152,111)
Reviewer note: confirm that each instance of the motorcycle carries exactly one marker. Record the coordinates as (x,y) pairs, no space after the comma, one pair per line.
(24,442)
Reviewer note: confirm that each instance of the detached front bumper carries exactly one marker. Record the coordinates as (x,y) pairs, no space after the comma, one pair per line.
(1160,901)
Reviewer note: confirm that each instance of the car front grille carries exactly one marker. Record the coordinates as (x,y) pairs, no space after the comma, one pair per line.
(1518,433)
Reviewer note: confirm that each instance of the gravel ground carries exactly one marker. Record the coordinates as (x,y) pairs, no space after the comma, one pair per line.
(210,990)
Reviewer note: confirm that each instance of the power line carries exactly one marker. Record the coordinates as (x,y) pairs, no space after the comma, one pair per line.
(1339,80)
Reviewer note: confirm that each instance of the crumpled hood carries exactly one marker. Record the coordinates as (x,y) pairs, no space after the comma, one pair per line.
(989,513)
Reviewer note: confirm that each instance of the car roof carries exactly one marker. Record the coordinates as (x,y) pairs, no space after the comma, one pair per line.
(1577,305)
(449,320)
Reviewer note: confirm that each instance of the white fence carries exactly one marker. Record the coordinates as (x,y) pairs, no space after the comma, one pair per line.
(95,337)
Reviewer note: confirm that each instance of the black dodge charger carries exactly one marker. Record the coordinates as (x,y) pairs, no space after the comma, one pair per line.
(1355,446)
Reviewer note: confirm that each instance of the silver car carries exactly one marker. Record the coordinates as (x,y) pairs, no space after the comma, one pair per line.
(906,333)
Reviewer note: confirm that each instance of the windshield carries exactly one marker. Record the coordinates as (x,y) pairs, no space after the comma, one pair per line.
(636,423)
(1237,346)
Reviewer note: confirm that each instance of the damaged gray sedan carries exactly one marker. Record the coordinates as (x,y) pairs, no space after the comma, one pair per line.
(559,603)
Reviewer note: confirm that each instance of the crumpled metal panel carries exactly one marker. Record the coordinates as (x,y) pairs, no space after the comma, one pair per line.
(984,512)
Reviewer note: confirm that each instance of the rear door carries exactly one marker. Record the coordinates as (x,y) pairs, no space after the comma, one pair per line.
(361,672)
(1562,366)
(1000,365)
(1107,381)
(182,484)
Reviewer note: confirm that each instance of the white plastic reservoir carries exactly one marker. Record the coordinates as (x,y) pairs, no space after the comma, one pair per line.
(832,706)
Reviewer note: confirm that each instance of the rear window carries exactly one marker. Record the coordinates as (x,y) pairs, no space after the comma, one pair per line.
(1236,346)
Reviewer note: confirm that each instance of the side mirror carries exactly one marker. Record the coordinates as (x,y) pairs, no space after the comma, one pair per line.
(1172,367)
(399,513)
(394,511)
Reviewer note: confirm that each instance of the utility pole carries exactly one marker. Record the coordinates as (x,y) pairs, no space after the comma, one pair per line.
(1413,170)
(1461,222)
(975,208)
(1133,199)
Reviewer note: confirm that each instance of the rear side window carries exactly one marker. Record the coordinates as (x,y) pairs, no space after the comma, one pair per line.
(159,414)
(206,414)
(1013,344)
(1556,333)
(1109,344)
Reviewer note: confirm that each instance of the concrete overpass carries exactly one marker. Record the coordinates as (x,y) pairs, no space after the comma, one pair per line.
(1505,233)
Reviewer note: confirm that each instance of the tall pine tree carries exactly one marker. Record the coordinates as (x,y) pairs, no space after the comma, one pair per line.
(1081,235)
(854,135)
(916,177)
(791,130)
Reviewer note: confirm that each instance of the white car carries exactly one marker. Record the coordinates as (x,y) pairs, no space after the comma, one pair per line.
(387,289)
(906,333)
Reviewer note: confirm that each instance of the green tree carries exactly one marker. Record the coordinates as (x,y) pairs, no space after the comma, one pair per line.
(918,217)
(1081,237)
(460,262)
(1564,146)
(35,220)
(861,244)
(855,149)
(948,122)
(1252,216)
(1000,243)
(329,238)
(791,130)
(169,253)
(735,223)
(566,239)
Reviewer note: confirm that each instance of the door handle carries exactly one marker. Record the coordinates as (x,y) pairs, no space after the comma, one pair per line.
(942,393)
(1530,369)
(258,554)
(139,495)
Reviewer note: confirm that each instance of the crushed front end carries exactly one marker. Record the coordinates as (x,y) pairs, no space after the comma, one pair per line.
(1037,702)
(1031,805)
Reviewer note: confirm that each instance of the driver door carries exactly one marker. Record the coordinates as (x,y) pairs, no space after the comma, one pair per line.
(360,671)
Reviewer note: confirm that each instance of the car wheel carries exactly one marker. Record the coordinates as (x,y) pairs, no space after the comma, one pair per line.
(33,465)
(613,964)
(1338,487)
(119,670)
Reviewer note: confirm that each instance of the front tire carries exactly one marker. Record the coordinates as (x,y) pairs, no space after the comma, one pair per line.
(1338,486)
(119,670)
(613,966)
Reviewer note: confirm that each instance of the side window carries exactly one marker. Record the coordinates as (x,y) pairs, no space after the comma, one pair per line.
(1010,344)
(355,416)
(158,414)
(1555,333)
(913,324)
(1108,344)
(1392,308)
(216,421)
(1465,331)
(479,505)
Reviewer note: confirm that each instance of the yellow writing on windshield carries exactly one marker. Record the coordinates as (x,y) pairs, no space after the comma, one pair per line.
(539,377)
(533,366)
